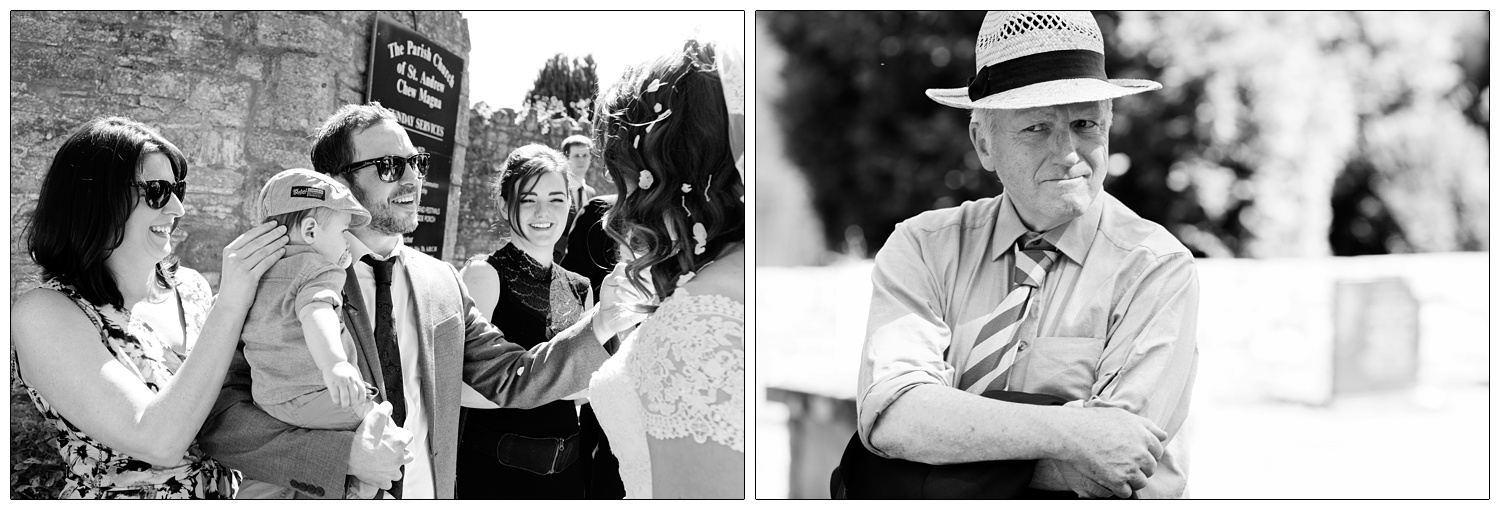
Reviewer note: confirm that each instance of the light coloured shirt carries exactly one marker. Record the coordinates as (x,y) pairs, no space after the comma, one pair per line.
(418,482)
(1115,326)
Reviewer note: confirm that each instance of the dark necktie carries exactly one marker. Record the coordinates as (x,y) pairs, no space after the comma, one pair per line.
(386,348)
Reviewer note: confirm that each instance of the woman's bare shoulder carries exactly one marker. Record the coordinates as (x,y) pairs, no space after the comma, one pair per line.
(478,267)
(46,313)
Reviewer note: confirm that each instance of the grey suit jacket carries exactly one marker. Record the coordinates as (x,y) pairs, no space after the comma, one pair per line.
(457,346)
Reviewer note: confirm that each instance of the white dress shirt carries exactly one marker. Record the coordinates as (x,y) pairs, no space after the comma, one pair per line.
(418,483)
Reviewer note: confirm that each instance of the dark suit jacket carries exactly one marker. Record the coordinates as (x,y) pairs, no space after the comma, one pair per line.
(457,346)
(591,252)
(583,195)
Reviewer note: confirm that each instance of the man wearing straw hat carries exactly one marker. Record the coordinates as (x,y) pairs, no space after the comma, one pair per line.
(1052,288)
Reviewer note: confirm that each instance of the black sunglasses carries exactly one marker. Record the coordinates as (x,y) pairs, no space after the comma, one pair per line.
(392,168)
(158,191)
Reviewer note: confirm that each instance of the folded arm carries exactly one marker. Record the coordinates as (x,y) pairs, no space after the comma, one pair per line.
(1148,366)
(905,381)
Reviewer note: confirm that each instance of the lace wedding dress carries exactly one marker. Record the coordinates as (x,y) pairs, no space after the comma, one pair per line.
(672,399)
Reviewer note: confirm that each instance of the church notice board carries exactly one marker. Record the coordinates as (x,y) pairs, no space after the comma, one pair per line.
(420,81)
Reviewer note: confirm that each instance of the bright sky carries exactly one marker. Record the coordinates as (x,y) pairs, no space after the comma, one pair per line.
(510,47)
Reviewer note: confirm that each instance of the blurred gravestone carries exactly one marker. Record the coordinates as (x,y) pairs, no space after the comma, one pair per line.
(1375,332)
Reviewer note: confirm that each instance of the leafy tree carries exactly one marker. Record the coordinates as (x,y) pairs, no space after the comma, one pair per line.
(1276,134)
(566,87)
(875,149)
(1306,133)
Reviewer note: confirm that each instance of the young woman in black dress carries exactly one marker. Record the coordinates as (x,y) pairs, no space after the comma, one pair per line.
(526,453)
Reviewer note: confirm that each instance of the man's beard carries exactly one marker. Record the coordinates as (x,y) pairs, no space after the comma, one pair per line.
(382,219)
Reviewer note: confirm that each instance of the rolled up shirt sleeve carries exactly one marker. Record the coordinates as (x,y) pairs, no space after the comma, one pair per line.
(906,336)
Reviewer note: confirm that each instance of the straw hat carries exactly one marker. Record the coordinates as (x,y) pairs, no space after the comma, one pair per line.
(1027,59)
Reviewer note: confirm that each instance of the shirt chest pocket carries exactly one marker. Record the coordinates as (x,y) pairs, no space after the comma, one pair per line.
(1062,366)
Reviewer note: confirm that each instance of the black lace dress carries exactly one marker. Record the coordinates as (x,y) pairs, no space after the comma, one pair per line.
(508,453)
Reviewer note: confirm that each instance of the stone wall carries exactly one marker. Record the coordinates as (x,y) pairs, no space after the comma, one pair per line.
(238,92)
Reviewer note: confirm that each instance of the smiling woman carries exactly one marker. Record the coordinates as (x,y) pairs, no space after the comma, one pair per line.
(125,418)
(538,299)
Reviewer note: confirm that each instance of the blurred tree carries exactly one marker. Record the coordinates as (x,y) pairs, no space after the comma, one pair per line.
(566,85)
(1294,134)
(1275,134)
(875,149)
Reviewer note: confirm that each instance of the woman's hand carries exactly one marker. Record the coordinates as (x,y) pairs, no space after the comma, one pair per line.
(246,259)
(620,304)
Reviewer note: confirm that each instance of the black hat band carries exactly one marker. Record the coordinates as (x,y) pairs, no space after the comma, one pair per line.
(1037,68)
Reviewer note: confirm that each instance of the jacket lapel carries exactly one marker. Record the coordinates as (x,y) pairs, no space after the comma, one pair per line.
(357,325)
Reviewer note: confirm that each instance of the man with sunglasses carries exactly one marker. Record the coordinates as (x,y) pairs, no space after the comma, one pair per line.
(420,336)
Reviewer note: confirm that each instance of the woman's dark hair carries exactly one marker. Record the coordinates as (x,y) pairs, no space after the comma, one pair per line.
(86,199)
(668,116)
(519,174)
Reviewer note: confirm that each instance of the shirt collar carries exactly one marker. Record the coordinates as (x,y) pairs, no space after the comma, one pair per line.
(1072,238)
(358,250)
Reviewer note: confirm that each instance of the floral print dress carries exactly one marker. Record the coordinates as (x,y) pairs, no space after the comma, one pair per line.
(94,470)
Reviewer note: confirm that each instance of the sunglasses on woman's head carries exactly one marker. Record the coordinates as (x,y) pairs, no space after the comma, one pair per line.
(158,192)
(392,168)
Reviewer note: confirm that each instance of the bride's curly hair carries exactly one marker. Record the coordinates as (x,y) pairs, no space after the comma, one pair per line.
(668,117)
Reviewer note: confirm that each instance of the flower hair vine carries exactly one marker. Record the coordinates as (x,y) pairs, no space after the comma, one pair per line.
(660,116)
(656,107)
(700,234)
(656,83)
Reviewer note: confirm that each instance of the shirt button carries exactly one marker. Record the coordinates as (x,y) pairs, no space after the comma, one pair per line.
(1022,347)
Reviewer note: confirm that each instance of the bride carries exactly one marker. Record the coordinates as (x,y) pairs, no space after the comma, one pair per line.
(672,400)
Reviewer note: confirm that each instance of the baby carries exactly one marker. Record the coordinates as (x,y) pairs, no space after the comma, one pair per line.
(303,370)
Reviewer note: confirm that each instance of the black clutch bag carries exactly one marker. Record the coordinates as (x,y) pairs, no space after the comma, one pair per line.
(864,475)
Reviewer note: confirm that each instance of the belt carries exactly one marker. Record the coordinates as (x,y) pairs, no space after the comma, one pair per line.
(543,456)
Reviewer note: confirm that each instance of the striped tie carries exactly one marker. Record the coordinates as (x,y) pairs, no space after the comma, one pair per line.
(994,349)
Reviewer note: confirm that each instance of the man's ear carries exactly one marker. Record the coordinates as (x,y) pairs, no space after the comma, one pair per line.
(980,138)
(309,229)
